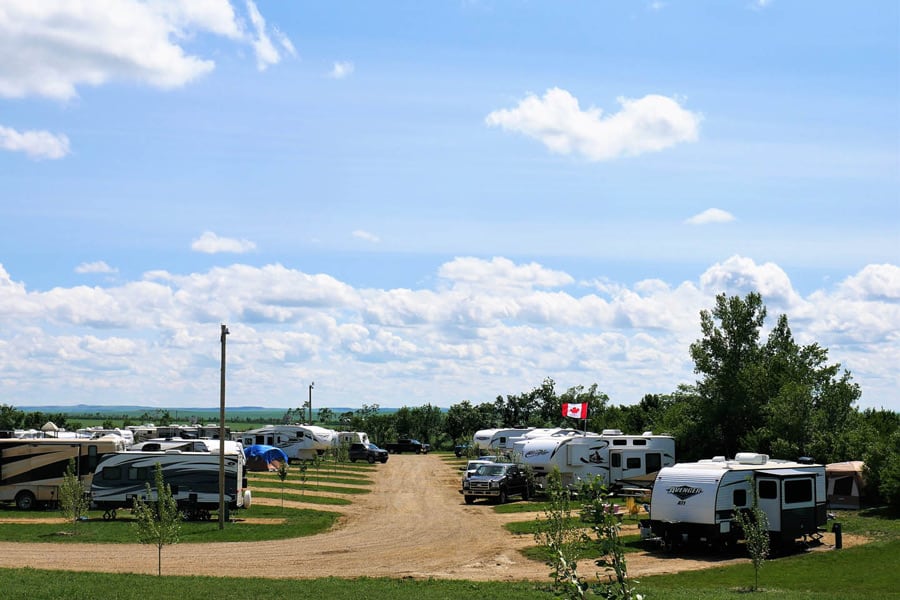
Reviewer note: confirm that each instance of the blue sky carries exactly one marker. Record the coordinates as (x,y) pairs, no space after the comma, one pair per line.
(411,202)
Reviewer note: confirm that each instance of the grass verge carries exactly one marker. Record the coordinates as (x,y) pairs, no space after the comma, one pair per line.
(286,523)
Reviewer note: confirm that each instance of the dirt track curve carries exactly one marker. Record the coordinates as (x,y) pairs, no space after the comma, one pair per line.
(413,524)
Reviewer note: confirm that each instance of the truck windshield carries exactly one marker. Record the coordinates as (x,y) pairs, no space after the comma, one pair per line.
(490,470)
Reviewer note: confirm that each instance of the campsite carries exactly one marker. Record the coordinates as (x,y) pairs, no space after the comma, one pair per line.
(406,521)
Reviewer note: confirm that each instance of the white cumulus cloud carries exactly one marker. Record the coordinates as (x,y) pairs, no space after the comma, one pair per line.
(710,215)
(365,235)
(94,267)
(36,144)
(59,45)
(210,243)
(647,124)
(341,70)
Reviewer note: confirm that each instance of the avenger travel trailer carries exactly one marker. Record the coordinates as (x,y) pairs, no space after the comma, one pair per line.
(609,457)
(31,470)
(694,502)
(193,477)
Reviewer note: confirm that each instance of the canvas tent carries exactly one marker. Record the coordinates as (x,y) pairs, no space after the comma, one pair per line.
(264,458)
(845,483)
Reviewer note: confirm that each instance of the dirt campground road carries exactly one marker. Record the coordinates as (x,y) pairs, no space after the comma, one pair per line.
(413,524)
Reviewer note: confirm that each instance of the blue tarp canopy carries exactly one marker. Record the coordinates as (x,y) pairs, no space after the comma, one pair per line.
(260,457)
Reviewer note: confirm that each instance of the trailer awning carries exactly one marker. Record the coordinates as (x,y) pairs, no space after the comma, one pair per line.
(786,473)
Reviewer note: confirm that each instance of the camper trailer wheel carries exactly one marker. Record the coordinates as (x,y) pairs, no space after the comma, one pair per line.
(109,515)
(25,501)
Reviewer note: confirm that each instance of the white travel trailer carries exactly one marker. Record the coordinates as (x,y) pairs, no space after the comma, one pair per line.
(352,437)
(193,476)
(504,439)
(299,442)
(608,458)
(695,502)
(94,433)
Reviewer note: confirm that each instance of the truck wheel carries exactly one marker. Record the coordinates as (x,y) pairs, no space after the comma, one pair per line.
(25,501)
(502,498)
(371,460)
(352,460)
(384,459)
(470,499)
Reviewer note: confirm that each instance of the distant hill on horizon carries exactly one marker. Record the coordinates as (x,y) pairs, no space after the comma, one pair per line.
(90,409)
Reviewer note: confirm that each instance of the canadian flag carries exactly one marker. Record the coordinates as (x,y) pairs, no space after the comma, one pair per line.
(576,411)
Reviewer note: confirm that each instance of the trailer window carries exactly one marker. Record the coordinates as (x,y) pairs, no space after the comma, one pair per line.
(639,442)
(92,457)
(768,489)
(139,474)
(654,462)
(797,490)
(615,460)
(112,473)
(620,442)
(739,498)
(633,462)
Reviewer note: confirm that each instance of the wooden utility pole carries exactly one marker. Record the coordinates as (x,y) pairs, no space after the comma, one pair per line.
(222,434)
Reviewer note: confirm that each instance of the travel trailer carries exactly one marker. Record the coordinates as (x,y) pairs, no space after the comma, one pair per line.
(504,439)
(176,443)
(353,437)
(299,442)
(32,469)
(193,477)
(695,502)
(99,432)
(608,458)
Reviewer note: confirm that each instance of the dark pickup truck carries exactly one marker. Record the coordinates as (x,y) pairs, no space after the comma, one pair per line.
(403,445)
(496,481)
(369,452)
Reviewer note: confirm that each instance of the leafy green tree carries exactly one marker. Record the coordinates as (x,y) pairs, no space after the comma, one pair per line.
(462,421)
(73,501)
(282,475)
(157,522)
(555,531)
(325,416)
(729,346)
(606,526)
(755,526)
(11,417)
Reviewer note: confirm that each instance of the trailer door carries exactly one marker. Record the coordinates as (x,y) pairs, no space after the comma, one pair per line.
(768,490)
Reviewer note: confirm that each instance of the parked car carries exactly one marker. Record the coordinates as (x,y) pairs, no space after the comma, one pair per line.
(497,482)
(369,452)
(461,450)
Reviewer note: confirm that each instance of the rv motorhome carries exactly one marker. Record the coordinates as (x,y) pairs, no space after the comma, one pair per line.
(695,502)
(607,458)
(32,469)
(193,476)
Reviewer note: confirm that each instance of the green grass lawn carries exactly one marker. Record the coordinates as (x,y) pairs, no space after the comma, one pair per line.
(52,585)
(286,523)
(304,498)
